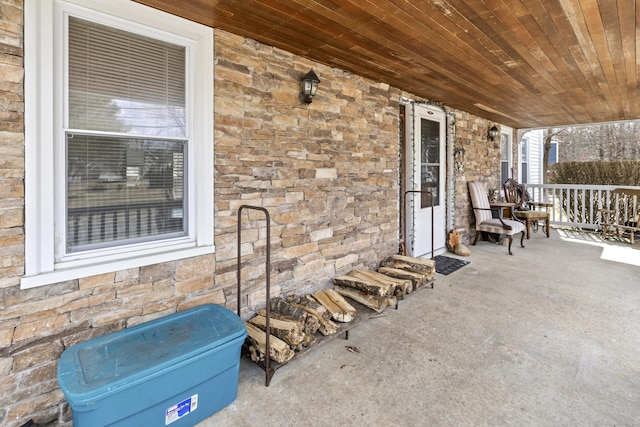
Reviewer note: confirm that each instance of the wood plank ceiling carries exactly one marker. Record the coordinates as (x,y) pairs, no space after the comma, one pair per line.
(522,63)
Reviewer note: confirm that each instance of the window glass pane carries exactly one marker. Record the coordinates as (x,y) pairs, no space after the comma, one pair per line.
(430,162)
(430,182)
(430,144)
(504,172)
(504,147)
(123,190)
(505,157)
(123,82)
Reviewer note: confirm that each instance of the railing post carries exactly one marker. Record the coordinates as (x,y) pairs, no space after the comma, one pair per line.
(578,205)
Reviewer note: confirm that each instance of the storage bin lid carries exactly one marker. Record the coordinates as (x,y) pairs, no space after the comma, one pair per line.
(95,366)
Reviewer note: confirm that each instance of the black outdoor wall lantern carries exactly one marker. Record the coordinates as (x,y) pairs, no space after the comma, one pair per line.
(309,87)
(493,132)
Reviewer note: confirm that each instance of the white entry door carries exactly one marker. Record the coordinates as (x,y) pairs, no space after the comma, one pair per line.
(426,178)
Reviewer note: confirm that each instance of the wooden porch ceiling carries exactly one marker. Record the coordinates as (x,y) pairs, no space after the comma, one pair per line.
(523,63)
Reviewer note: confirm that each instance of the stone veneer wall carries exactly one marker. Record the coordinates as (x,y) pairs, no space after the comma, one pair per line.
(327,173)
(477,158)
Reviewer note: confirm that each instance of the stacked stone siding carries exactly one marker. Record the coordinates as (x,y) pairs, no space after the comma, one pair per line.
(12,140)
(480,161)
(327,172)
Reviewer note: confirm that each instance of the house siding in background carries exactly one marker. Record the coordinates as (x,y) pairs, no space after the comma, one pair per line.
(531,152)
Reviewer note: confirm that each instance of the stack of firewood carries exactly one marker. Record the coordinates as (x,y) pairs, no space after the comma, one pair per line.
(396,277)
(296,321)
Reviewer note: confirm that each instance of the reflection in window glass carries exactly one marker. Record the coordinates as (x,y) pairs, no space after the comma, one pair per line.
(505,157)
(430,162)
(123,190)
(126,143)
(524,161)
(124,82)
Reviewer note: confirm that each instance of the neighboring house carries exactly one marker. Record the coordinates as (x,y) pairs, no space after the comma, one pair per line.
(530,157)
(120,189)
(522,160)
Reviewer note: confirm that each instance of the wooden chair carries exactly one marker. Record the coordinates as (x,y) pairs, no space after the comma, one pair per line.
(514,192)
(484,220)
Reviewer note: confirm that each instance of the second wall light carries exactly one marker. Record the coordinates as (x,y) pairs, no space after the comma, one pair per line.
(309,87)
(493,132)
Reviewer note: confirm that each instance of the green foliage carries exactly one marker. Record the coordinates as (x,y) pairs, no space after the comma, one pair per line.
(621,173)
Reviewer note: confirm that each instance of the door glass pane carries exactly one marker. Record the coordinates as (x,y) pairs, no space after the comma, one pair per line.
(429,162)
(429,183)
(123,190)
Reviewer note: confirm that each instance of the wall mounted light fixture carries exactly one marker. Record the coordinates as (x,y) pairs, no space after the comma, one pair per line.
(493,132)
(309,87)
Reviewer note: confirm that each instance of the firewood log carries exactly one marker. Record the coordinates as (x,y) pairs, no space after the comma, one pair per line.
(375,302)
(416,264)
(327,327)
(364,285)
(291,332)
(398,287)
(279,350)
(423,277)
(283,308)
(309,321)
(280,306)
(425,267)
(417,279)
(340,309)
(303,301)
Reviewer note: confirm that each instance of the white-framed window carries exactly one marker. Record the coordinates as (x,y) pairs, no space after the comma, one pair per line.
(524,160)
(505,154)
(118,138)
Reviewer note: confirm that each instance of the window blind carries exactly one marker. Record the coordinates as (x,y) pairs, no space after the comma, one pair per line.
(124,82)
(126,146)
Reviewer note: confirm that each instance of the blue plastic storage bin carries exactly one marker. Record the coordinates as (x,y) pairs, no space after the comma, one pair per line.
(176,370)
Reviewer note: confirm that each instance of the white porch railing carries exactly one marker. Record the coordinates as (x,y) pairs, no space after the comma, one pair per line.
(577,205)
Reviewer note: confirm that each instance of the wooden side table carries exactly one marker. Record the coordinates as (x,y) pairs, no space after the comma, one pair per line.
(504,209)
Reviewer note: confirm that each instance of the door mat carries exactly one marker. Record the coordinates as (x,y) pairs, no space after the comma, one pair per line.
(447,265)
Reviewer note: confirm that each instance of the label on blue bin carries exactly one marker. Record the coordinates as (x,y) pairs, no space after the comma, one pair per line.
(179,410)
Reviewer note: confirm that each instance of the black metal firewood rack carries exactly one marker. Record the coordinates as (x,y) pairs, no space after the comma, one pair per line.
(269,366)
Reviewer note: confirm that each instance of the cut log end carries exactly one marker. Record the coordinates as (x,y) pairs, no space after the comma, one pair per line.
(280,351)
(340,309)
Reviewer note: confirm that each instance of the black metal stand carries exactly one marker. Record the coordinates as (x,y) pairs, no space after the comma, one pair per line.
(269,371)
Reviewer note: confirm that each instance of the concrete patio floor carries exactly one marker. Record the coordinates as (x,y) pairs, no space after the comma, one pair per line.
(547,337)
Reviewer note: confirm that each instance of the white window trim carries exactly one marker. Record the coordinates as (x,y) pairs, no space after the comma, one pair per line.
(505,130)
(42,48)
